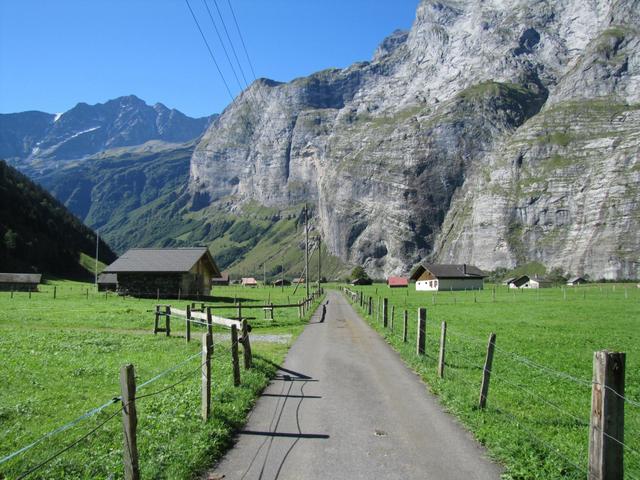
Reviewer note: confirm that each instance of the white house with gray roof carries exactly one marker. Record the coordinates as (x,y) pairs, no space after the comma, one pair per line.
(432,277)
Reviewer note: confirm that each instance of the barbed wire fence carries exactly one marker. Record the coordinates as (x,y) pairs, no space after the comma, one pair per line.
(558,400)
(108,411)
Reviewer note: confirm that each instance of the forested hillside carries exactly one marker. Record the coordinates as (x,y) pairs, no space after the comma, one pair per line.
(37,233)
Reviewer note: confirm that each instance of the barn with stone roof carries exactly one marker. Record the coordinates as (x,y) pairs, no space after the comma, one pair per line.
(171,271)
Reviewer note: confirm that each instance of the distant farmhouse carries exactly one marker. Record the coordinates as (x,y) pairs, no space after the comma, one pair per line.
(171,271)
(249,282)
(107,281)
(281,282)
(20,281)
(524,281)
(221,280)
(397,282)
(298,281)
(432,277)
(576,281)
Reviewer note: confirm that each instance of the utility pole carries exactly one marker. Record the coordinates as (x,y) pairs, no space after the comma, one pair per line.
(319,260)
(282,272)
(264,274)
(96,267)
(306,247)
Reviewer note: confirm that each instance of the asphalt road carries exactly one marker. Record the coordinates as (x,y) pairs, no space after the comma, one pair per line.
(344,406)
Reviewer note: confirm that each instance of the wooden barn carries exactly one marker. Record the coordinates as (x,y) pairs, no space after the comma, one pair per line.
(107,282)
(20,281)
(397,282)
(171,271)
(222,280)
(433,277)
(281,282)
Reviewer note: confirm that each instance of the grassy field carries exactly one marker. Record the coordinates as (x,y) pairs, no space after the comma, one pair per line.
(536,420)
(61,358)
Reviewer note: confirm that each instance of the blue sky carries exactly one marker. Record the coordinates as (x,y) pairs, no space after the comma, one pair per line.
(54,54)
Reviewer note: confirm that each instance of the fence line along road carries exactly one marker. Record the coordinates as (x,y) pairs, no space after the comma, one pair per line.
(606,420)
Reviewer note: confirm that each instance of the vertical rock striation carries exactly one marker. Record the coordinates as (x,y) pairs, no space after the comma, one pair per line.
(492,132)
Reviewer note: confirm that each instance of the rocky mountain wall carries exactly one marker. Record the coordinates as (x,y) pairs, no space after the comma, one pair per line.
(493,132)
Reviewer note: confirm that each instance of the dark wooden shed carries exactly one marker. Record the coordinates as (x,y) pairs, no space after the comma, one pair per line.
(20,281)
(171,271)
(107,281)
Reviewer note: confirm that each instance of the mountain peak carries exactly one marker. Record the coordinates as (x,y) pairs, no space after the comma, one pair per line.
(87,129)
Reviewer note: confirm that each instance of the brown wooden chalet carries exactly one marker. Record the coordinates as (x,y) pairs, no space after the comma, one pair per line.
(107,282)
(20,281)
(221,280)
(171,271)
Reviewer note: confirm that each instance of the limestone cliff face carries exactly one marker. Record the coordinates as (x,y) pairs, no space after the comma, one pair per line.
(492,132)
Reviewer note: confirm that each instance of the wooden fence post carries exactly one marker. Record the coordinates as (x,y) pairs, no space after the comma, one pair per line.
(385,312)
(209,322)
(234,355)
(239,310)
(188,324)
(370,309)
(443,342)
(405,325)
(55,291)
(422,323)
(167,319)
(129,422)
(157,320)
(486,371)
(378,311)
(393,314)
(246,344)
(606,430)
(207,350)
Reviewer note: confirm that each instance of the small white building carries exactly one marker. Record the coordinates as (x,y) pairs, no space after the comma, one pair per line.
(431,277)
(524,281)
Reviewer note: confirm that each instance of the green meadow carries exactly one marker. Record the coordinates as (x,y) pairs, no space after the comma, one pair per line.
(61,358)
(538,409)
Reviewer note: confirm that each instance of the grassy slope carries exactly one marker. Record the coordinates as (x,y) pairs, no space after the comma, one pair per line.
(61,358)
(137,198)
(536,421)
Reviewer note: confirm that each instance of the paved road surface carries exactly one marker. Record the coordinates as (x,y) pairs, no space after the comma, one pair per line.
(344,406)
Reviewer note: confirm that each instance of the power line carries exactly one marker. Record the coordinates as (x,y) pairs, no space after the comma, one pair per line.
(210,51)
(244,46)
(224,48)
(233,49)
